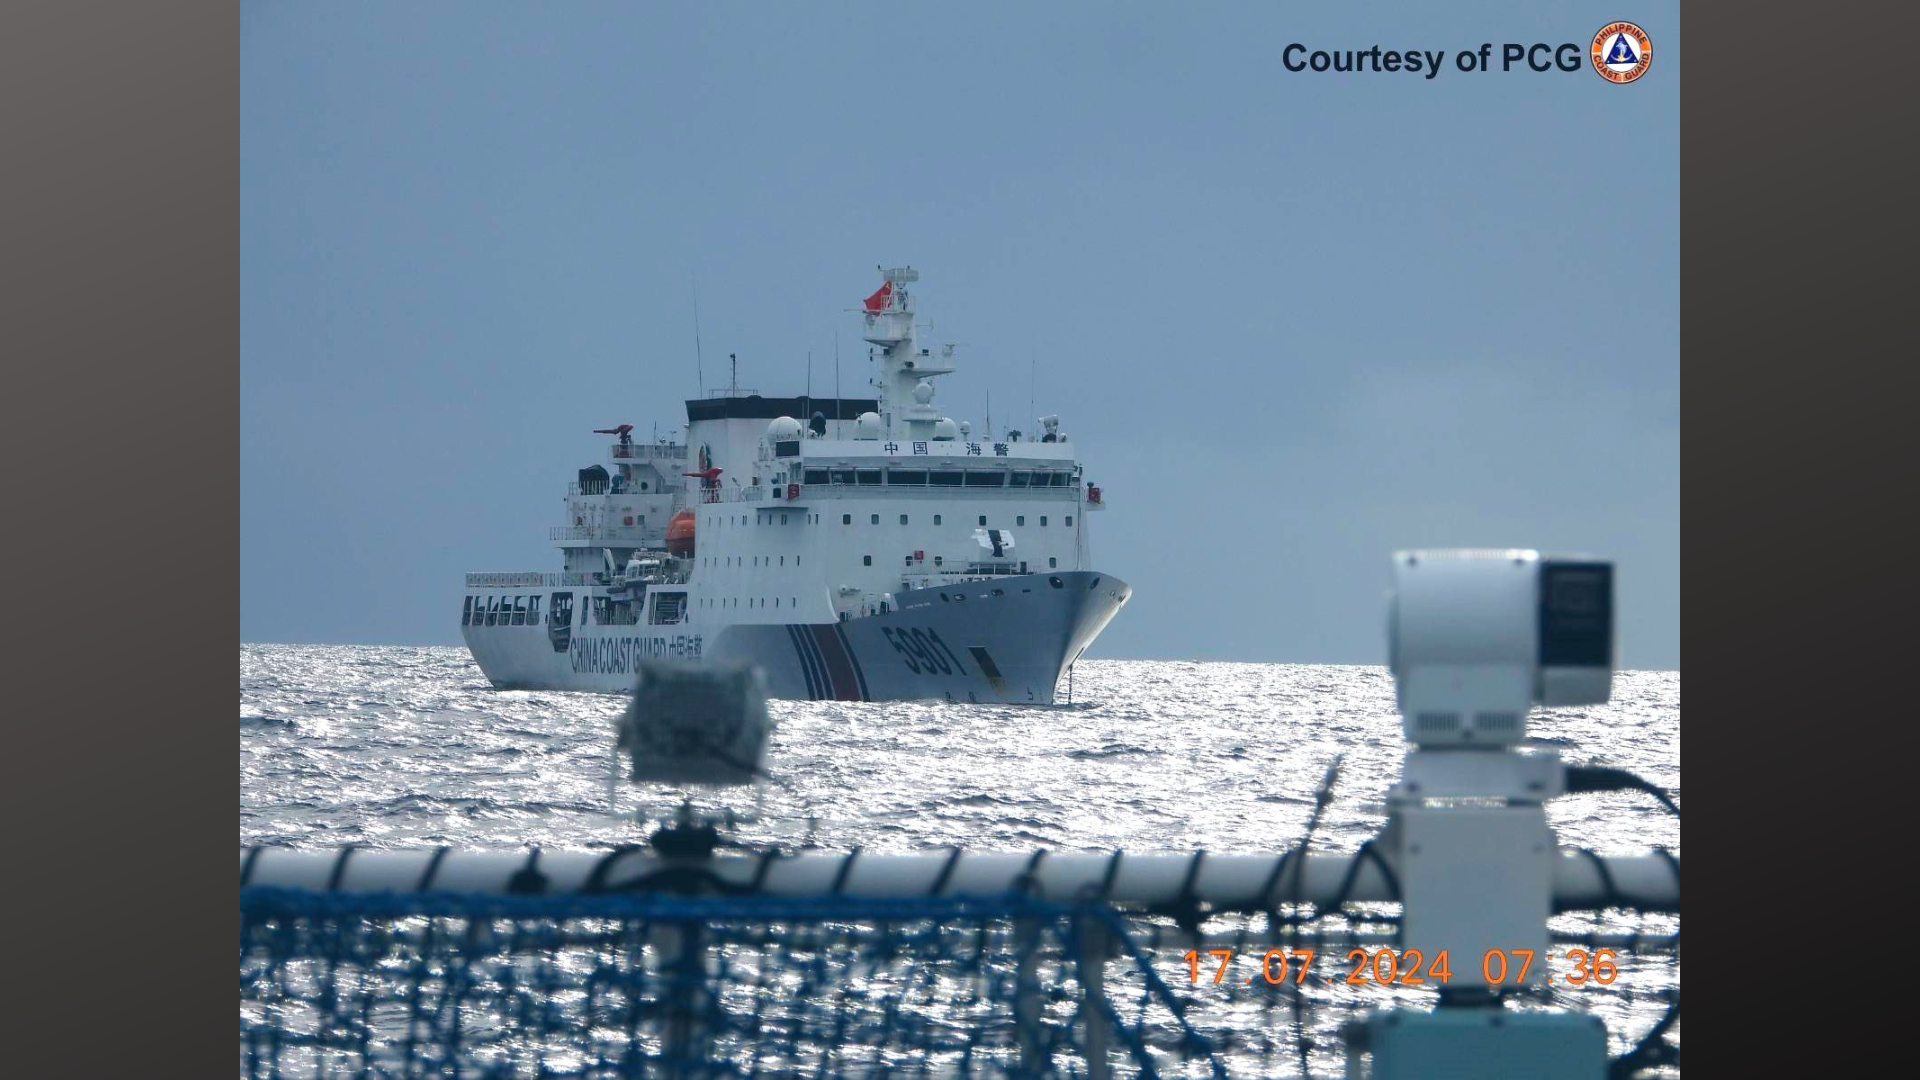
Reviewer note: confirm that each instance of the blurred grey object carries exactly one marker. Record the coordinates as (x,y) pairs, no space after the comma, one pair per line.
(697,722)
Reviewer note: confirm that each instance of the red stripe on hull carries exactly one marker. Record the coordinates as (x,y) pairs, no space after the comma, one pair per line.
(846,687)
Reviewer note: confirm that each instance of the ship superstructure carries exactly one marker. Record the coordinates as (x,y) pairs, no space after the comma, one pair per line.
(857,549)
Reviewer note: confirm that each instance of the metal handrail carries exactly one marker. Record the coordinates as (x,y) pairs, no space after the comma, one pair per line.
(647,451)
(601,532)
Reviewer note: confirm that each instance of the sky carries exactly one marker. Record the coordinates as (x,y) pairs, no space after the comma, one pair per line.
(1292,321)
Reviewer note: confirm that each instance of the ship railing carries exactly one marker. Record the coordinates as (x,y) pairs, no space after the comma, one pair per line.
(754,493)
(623,535)
(972,480)
(607,489)
(531,579)
(648,452)
(810,963)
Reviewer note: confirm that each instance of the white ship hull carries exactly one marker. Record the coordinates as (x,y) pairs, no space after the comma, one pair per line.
(1007,639)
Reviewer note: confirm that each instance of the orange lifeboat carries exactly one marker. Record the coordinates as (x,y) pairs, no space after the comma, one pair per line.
(680,534)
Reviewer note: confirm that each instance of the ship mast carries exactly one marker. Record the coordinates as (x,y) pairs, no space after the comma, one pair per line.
(906,389)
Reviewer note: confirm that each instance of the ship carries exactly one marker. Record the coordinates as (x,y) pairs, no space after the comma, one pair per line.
(855,549)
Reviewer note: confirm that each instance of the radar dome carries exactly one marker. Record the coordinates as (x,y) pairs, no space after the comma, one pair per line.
(966,429)
(868,426)
(945,430)
(783,427)
(923,391)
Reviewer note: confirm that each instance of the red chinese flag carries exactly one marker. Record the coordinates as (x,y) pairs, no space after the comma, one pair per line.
(879,299)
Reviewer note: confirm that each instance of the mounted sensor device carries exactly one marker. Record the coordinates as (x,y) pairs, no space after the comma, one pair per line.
(1477,637)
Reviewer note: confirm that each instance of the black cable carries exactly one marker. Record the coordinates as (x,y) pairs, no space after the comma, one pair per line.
(1028,883)
(1652,1049)
(946,872)
(340,867)
(528,880)
(433,867)
(846,870)
(1584,778)
(1322,798)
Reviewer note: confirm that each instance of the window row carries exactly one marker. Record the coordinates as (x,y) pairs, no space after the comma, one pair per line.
(1053,562)
(752,602)
(522,610)
(746,560)
(1015,478)
(1019,519)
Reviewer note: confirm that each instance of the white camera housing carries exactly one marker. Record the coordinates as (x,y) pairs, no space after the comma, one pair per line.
(1477,637)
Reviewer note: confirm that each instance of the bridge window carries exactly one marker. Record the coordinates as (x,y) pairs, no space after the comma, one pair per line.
(986,478)
(870,477)
(908,477)
(843,476)
(945,479)
(816,476)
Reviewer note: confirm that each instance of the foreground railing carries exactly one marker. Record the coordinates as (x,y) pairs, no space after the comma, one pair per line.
(623,963)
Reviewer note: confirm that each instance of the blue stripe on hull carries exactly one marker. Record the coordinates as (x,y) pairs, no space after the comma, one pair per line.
(1028,627)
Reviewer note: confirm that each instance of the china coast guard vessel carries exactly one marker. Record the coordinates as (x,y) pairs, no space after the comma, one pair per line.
(857,549)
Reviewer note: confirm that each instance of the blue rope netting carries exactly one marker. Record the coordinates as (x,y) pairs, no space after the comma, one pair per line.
(439,984)
(447,984)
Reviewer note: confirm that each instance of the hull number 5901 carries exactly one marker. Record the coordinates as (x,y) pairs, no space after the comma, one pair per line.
(923,651)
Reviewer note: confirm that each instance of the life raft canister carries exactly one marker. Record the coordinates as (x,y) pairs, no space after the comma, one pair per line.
(793,491)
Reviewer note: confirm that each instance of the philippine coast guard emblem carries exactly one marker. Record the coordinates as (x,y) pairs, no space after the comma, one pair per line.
(1621,52)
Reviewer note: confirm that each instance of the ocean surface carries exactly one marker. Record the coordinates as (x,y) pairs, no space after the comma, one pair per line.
(410,747)
(398,747)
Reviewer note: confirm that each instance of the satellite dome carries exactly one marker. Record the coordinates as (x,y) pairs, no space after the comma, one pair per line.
(923,391)
(868,426)
(966,429)
(945,430)
(783,427)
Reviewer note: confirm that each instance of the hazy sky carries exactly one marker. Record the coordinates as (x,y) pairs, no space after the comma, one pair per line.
(1292,321)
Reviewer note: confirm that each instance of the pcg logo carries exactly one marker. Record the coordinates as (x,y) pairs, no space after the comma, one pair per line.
(1621,52)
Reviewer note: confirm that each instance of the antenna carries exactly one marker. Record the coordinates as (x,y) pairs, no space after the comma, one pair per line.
(1033,378)
(734,359)
(809,379)
(836,380)
(699,365)
(989,414)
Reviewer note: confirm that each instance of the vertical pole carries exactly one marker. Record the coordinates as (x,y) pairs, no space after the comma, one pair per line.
(1093,991)
(1026,994)
(686,996)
